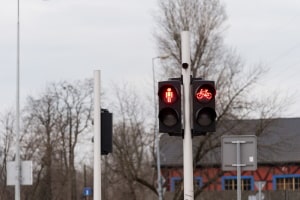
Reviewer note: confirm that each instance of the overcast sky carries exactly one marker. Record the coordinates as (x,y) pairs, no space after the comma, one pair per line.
(69,39)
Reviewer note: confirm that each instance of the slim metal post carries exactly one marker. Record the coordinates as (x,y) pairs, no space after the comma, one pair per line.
(97,137)
(159,179)
(238,167)
(187,140)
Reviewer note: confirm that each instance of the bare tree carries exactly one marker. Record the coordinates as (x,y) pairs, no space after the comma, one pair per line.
(40,123)
(74,109)
(6,154)
(211,59)
(130,168)
(52,123)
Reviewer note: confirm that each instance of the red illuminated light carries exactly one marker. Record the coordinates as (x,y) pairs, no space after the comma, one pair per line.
(205,94)
(169,95)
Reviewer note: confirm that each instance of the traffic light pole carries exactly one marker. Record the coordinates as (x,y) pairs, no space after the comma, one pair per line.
(97,137)
(187,140)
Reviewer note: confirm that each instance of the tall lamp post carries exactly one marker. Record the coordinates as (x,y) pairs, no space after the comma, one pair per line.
(159,177)
(18,159)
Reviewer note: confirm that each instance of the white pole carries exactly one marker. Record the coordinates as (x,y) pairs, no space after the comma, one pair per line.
(187,140)
(238,167)
(18,160)
(97,137)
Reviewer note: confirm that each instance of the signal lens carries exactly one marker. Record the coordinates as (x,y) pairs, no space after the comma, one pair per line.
(168,94)
(206,116)
(205,93)
(168,117)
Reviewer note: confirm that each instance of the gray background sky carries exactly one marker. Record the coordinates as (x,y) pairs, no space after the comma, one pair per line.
(68,39)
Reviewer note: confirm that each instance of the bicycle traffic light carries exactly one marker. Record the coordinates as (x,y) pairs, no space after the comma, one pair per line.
(169,93)
(204,114)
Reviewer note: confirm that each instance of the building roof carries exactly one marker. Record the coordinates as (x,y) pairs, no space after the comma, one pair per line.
(278,142)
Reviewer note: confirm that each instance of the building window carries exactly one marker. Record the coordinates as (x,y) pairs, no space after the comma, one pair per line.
(177,183)
(286,182)
(230,183)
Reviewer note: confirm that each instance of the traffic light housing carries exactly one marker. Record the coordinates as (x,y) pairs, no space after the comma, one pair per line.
(169,97)
(204,114)
(106,132)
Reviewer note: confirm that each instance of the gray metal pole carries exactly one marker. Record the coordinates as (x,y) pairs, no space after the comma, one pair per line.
(188,179)
(97,137)
(18,160)
(159,180)
(238,167)
(157,138)
(238,162)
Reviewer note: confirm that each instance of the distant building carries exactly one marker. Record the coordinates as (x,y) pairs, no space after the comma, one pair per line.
(278,157)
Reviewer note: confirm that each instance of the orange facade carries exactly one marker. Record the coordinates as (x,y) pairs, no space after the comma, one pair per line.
(277,177)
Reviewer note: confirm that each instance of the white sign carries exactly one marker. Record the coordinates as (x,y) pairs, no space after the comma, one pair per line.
(252,197)
(251,159)
(260,196)
(248,152)
(26,173)
(260,184)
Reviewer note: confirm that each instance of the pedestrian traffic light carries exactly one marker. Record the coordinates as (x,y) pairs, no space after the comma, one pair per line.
(170,107)
(106,132)
(204,114)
